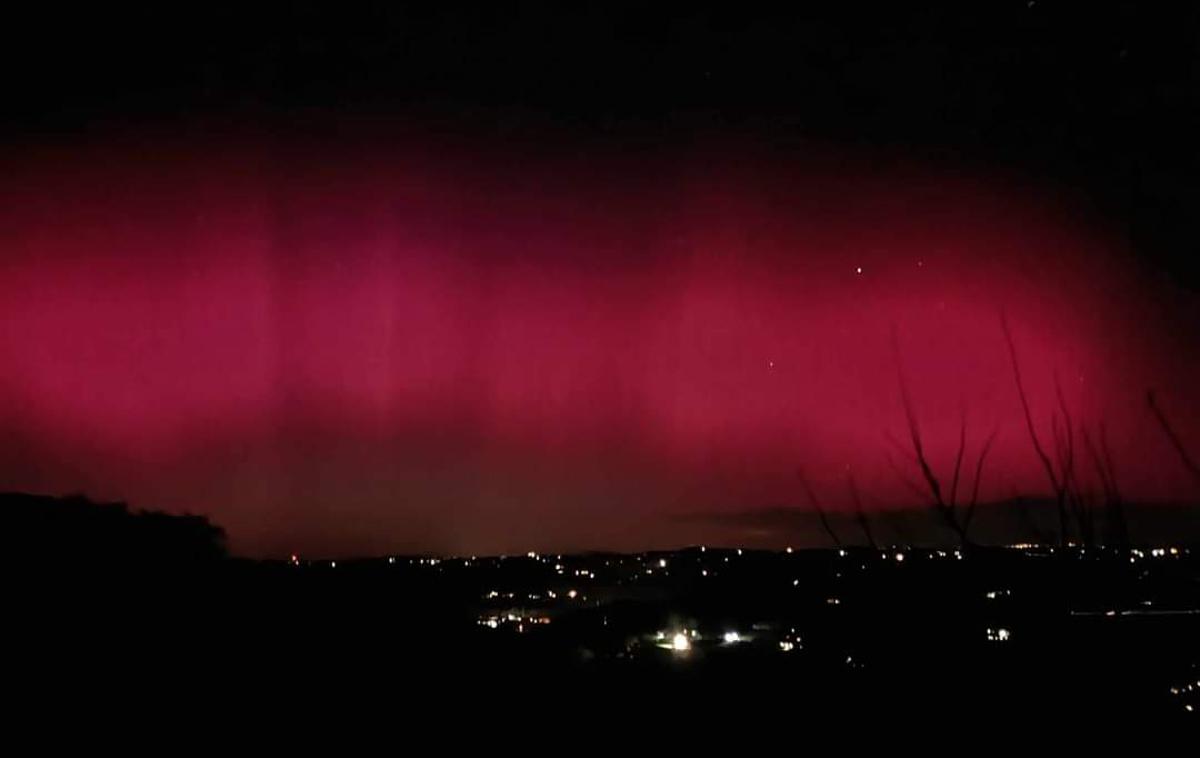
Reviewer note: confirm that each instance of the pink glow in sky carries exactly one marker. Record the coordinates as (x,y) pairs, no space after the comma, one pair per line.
(415,344)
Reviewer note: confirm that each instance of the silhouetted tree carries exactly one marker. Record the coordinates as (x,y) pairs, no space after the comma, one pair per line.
(1060,483)
(74,531)
(957,518)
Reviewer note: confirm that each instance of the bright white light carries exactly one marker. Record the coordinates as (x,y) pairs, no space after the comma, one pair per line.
(789,551)
(858,269)
(391,561)
(841,553)
(703,572)
(786,646)
(662,563)
(531,554)
(795,582)
(572,594)
(702,548)
(333,564)
(899,557)
(739,551)
(680,642)
(732,637)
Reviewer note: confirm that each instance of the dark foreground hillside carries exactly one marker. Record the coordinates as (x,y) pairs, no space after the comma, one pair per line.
(152,602)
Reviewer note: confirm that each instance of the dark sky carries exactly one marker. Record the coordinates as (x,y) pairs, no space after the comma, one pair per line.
(368,278)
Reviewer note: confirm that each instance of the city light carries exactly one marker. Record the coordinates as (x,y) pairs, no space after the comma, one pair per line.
(732,637)
(680,642)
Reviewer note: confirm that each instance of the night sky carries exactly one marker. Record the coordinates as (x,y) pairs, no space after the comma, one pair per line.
(377,279)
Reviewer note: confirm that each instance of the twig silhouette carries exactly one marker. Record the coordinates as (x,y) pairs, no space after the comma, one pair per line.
(1188,462)
(947,507)
(816,505)
(1056,481)
(860,514)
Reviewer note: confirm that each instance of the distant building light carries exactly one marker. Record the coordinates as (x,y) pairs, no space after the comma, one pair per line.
(680,642)
(703,572)
(531,554)
(732,638)
(662,563)
(572,594)
(789,551)
(899,557)
(739,551)
(333,564)
(998,635)
(787,646)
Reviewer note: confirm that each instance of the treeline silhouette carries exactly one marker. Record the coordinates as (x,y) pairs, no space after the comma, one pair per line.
(46,532)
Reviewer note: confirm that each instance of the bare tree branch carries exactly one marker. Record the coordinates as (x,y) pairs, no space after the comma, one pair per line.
(1047,464)
(958,459)
(859,513)
(816,505)
(1176,442)
(983,454)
